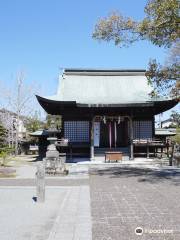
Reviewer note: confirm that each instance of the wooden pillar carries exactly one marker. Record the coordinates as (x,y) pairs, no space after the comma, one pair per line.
(62,127)
(131,139)
(92,139)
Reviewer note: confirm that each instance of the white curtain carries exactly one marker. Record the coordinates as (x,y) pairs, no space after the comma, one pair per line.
(96,134)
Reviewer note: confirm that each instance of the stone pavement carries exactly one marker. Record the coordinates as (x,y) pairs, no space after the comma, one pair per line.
(64,215)
(107,203)
(26,167)
(123,199)
(74,217)
(49,182)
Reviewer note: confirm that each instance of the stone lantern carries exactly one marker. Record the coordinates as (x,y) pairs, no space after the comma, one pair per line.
(53,161)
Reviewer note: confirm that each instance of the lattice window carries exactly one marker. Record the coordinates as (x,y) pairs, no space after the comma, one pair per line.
(142,129)
(145,129)
(76,131)
(136,130)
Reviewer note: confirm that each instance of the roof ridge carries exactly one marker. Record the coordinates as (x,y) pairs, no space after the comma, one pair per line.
(102,70)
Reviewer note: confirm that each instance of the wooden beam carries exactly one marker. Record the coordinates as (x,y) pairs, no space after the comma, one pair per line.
(131,139)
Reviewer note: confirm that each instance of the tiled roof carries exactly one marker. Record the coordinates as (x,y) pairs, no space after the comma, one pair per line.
(90,86)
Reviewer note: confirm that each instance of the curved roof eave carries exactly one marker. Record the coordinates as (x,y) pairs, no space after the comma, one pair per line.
(49,104)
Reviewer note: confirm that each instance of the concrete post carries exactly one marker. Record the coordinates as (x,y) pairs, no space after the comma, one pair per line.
(40,182)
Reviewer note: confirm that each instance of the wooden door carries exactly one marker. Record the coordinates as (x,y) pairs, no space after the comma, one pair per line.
(121,133)
(104,135)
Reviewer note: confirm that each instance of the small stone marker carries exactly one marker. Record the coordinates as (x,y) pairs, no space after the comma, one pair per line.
(40,182)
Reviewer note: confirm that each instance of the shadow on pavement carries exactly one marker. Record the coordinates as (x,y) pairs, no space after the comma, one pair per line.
(142,174)
(36,159)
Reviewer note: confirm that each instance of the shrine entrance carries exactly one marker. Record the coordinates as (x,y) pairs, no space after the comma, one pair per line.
(113,135)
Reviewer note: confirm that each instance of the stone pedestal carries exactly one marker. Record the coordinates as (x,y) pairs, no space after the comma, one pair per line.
(54,162)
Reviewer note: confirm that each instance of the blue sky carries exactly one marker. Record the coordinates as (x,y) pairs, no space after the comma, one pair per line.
(43,36)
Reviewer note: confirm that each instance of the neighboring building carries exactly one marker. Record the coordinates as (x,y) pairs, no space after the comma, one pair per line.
(9,121)
(163,133)
(103,109)
(168,123)
(42,142)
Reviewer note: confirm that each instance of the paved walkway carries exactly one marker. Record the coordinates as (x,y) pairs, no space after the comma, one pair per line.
(107,203)
(64,215)
(79,170)
(123,199)
(74,217)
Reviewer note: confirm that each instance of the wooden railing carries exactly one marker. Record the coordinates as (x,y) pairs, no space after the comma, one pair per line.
(150,147)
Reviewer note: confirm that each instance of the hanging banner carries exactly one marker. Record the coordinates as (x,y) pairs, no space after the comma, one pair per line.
(96,134)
